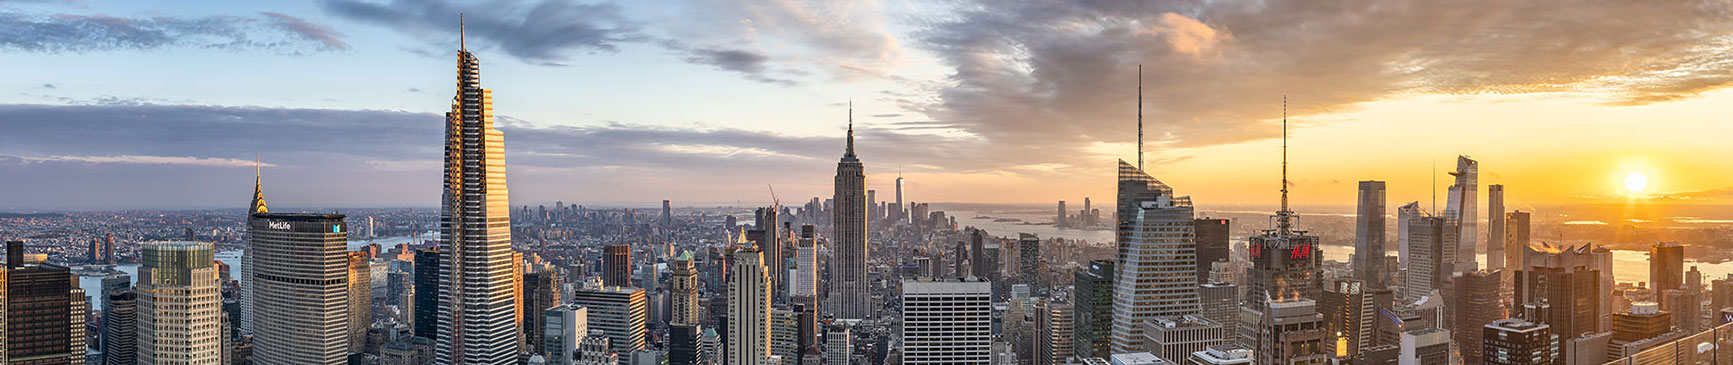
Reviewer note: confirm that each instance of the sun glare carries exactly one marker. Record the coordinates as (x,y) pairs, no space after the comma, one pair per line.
(1635,182)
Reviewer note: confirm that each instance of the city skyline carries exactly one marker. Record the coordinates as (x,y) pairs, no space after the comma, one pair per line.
(349,100)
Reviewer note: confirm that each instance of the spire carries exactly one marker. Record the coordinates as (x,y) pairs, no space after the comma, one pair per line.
(1284,218)
(850,151)
(1140,116)
(258,205)
(461,44)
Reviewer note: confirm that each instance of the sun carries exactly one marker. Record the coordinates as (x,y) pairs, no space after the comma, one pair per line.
(1635,182)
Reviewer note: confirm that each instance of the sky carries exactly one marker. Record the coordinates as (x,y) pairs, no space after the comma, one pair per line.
(110,104)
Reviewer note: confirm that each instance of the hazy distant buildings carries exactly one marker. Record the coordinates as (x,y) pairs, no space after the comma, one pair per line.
(179,309)
(848,276)
(1369,248)
(1157,257)
(1666,266)
(1516,236)
(478,316)
(947,322)
(301,274)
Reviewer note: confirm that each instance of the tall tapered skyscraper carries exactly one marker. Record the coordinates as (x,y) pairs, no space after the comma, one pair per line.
(1369,239)
(849,234)
(477,321)
(1495,246)
(1463,210)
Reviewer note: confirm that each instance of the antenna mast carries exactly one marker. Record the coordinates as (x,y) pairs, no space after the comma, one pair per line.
(1284,218)
(1140,117)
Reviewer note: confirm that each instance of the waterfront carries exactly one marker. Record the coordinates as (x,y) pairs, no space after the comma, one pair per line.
(92,284)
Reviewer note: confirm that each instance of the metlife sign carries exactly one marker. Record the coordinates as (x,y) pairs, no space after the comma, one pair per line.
(279,225)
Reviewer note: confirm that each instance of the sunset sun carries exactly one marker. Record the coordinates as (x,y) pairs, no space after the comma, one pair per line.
(1635,182)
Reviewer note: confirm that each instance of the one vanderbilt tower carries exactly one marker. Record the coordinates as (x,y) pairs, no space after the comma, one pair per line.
(477,318)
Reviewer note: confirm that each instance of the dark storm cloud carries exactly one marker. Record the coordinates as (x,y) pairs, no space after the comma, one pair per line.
(540,32)
(55,33)
(1051,78)
(751,64)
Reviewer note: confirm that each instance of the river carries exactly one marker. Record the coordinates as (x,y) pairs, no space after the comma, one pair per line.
(92,285)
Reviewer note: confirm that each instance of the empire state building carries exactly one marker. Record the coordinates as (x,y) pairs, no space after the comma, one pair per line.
(849,235)
(477,314)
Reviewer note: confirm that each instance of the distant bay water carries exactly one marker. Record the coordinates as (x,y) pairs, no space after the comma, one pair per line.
(92,284)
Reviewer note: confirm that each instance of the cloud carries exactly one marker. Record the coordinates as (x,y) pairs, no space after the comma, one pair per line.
(78,33)
(541,32)
(49,86)
(847,38)
(752,64)
(1044,80)
(143,160)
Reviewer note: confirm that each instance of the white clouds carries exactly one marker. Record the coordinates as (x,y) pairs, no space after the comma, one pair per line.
(146,160)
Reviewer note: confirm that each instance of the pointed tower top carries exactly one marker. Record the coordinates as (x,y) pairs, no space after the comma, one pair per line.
(258,204)
(461,42)
(1284,218)
(1140,116)
(850,151)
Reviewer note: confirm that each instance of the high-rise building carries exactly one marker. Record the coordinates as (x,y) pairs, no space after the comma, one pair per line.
(947,322)
(1286,331)
(1157,257)
(805,282)
(95,254)
(120,328)
(1059,220)
(848,273)
(1029,260)
(1053,340)
(299,270)
(541,292)
(1514,341)
(1570,280)
(1220,303)
(770,247)
(619,312)
(685,346)
(1347,307)
(360,280)
(478,318)
(838,345)
(44,312)
(1476,303)
(784,336)
(1286,262)
(1212,244)
(1425,257)
(1425,347)
(1462,211)
(1645,320)
(1092,302)
(683,291)
(425,311)
(1495,228)
(179,309)
(1666,266)
(667,219)
(563,327)
(1516,236)
(748,309)
(902,215)
(1174,339)
(617,265)
(1369,231)
(1686,307)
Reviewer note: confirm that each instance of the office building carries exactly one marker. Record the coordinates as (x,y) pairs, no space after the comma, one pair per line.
(619,313)
(770,247)
(1174,339)
(947,322)
(684,344)
(563,327)
(1425,347)
(474,234)
(1476,303)
(1516,236)
(1666,266)
(1424,249)
(1053,337)
(300,266)
(748,309)
(360,299)
(667,219)
(1059,220)
(848,272)
(1286,331)
(1212,244)
(1347,308)
(541,292)
(1220,303)
(1092,302)
(1369,231)
(617,265)
(120,331)
(1645,321)
(1229,354)
(805,282)
(1157,257)
(44,312)
(683,291)
(1029,261)
(785,336)
(1571,280)
(179,309)
(598,349)
(1514,341)
(838,346)
(1462,211)
(1495,228)
(1135,358)
(425,311)
(1686,306)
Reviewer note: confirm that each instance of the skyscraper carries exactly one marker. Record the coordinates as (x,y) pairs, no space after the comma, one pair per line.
(1513,341)
(1666,267)
(360,298)
(617,265)
(1059,220)
(1157,257)
(1287,331)
(1369,240)
(1495,228)
(120,328)
(541,292)
(619,312)
(947,322)
(44,312)
(1425,347)
(804,285)
(563,326)
(748,309)
(1212,244)
(179,309)
(849,234)
(1424,257)
(1093,307)
(425,312)
(1476,303)
(257,206)
(1462,211)
(1569,279)
(902,209)
(1347,308)
(771,251)
(667,219)
(683,290)
(477,321)
(301,272)
(1029,260)
(1053,340)
(1286,262)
